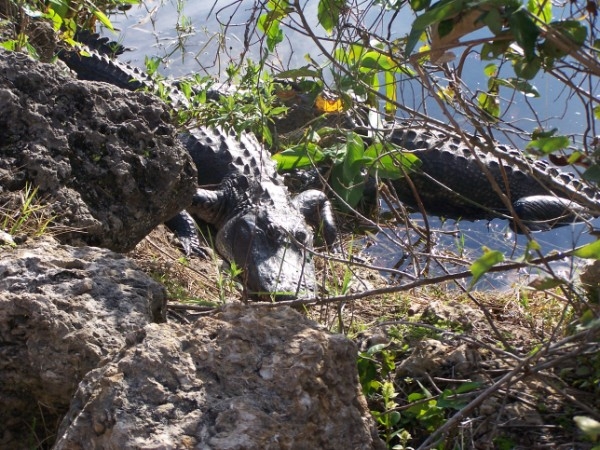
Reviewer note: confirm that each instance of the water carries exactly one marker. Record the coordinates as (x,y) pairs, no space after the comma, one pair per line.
(204,37)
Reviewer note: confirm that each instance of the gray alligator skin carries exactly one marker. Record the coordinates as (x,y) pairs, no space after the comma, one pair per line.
(454,181)
(260,227)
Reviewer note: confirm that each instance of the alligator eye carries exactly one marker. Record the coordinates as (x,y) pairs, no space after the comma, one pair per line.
(301,236)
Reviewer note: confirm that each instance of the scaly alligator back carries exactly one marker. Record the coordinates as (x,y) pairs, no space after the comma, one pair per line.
(452,181)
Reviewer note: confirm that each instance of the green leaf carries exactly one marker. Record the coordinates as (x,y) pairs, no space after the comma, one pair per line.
(551,144)
(268,23)
(349,55)
(414,37)
(57,20)
(480,267)
(378,61)
(419,5)
(520,85)
(347,177)
(390,93)
(491,50)
(60,7)
(446,400)
(415,397)
(299,156)
(468,386)
(589,251)
(493,20)
(103,19)
(301,72)
(525,32)
(527,68)
(539,133)
(531,248)
(542,9)
(490,104)
(328,13)
(571,29)
(442,10)
(592,173)
(597,112)
(354,155)
(490,70)
(589,426)
(152,65)
(387,162)
(9,45)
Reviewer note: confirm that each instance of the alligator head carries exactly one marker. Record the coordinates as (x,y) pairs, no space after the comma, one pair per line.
(273,249)
(263,232)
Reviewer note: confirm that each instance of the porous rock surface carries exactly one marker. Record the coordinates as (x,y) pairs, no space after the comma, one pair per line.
(63,310)
(248,378)
(108,161)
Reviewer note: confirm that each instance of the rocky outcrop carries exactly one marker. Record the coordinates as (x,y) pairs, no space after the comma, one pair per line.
(251,378)
(84,326)
(108,161)
(63,310)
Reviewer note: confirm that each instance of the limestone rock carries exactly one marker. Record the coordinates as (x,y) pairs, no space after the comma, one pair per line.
(63,310)
(107,160)
(249,378)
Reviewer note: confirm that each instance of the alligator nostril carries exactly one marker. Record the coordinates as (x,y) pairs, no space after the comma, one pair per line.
(273,232)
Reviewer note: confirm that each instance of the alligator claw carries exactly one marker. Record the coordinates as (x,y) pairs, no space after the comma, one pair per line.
(185,229)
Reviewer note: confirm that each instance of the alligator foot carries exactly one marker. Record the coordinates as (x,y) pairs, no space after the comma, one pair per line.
(544,212)
(316,209)
(186,230)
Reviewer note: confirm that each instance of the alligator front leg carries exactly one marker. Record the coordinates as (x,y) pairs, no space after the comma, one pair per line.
(207,206)
(316,209)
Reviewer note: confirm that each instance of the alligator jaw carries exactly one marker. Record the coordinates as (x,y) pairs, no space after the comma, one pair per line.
(275,260)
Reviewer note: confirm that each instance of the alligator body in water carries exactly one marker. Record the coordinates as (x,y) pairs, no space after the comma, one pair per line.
(461,178)
(259,226)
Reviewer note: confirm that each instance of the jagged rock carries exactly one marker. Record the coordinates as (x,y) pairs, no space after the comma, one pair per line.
(106,160)
(249,378)
(63,310)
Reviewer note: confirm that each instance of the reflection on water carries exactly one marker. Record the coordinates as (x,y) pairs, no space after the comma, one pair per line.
(455,244)
(204,37)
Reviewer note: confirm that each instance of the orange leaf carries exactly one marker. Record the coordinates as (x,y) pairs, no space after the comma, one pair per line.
(328,105)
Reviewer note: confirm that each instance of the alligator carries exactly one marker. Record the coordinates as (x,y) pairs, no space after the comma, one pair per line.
(462,179)
(260,227)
